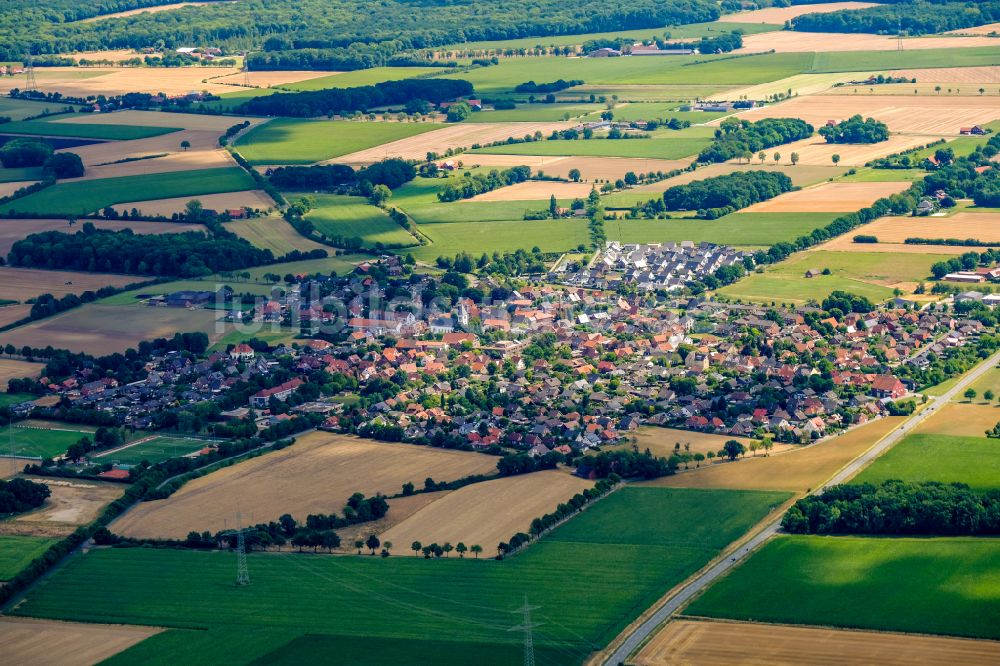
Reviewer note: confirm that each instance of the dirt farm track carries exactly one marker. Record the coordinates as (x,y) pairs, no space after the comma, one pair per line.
(728,643)
(317,474)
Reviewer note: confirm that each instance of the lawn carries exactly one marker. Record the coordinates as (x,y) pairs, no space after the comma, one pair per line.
(16,552)
(84,130)
(863,273)
(7,399)
(272,336)
(354,217)
(933,586)
(501,236)
(944,458)
(747,229)
(585,591)
(84,197)
(47,442)
(361,77)
(294,141)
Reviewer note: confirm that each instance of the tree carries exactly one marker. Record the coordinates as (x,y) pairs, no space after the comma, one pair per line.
(380,194)
(447,548)
(359,544)
(777,157)
(64,165)
(185,144)
(387,546)
(754,445)
(553,206)
(461,549)
(459,112)
(574,175)
(373,543)
(970,394)
(733,449)
(795,158)
(415,547)
(988,395)
(762,156)
(330,540)
(768,444)
(193,210)
(18,153)
(476,549)
(835,158)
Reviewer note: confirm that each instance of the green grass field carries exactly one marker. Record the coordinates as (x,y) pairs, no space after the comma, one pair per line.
(502,236)
(16,552)
(21,173)
(867,175)
(944,458)
(83,197)
(699,69)
(293,141)
(230,100)
(689,31)
(653,110)
(155,450)
(271,335)
(662,146)
(348,217)
(84,130)
(588,580)
(19,109)
(934,586)
(7,399)
(475,211)
(48,442)
(361,77)
(536,113)
(864,273)
(858,61)
(746,229)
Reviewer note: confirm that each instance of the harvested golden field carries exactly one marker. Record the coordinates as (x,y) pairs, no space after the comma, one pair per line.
(489,512)
(789,41)
(935,116)
(962,419)
(274,234)
(801,174)
(76,82)
(71,504)
(536,189)
(145,10)
(8,315)
(778,15)
(220,202)
(177,161)
(892,232)
(20,284)
(591,168)
(828,198)
(7,189)
(945,89)
(315,475)
(461,135)
(28,642)
(267,79)
(988,29)
(798,469)
(816,151)
(400,510)
(725,643)
(13,369)
(987,74)
(663,441)
(104,329)
(14,230)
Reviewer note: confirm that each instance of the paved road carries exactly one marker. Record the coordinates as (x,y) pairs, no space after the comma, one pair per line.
(674,603)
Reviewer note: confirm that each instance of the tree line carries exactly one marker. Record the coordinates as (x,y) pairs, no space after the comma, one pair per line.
(741,139)
(19,495)
(342,101)
(855,130)
(914,18)
(477,183)
(897,507)
(392,173)
(721,195)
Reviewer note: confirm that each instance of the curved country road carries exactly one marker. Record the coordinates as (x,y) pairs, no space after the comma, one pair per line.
(684,594)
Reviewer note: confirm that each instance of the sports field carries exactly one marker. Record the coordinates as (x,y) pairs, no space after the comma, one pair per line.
(353,217)
(930,586)
(83,197)
(948,459)
(719,643)
(316,475)
(17,552)
(453,600)
(293,141)
(863,273)
(41,439)
(152,449)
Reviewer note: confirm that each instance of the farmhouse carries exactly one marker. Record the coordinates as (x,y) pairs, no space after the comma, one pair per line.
(261,399)
(654,50)
(963,276)
(604,53)
(242,352)
(887,386)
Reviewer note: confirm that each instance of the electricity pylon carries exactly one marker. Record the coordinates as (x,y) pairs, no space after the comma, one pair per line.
(526,627)
(242,573)
(30,84)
